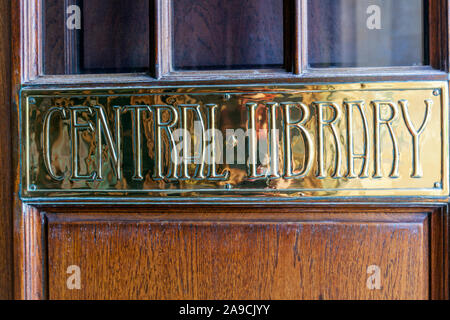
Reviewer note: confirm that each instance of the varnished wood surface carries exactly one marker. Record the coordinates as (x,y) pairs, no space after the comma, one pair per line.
(216,34)
(438,28)
(35,254)
(439,277)
(227,255)
(5,153)
(23,67)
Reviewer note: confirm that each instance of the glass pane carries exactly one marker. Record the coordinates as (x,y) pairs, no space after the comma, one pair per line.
(366,33)
(231,34)
(96,36)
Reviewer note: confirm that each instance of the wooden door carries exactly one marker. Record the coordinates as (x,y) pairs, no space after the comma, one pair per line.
(340,190)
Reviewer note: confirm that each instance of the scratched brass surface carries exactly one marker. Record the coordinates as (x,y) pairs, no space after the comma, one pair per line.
(373,139)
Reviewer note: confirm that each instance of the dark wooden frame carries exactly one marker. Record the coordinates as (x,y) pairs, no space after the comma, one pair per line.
(29,223)
(6,195)
(163,36)
(297,71)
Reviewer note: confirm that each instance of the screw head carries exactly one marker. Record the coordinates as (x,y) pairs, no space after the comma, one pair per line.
(32,100)
(33,187)
(438,185)
(228,186)
(436,92)
(226,96)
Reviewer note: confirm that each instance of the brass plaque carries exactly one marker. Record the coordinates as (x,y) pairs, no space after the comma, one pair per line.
(373,139)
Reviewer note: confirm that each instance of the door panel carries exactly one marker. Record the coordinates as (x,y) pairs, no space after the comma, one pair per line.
(259,255)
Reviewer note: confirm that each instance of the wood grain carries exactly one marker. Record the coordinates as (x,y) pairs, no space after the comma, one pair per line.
(35,254)
(227,255)
(5,153)
(439,254)
(24,67)
(438,30)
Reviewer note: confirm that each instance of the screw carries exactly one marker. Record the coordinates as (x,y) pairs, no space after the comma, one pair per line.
(32,100)
(438,185)
(226,96)
(33,187)
(437,92)
(228,186)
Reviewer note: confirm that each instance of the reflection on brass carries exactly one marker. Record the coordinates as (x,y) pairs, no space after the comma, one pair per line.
(376,139)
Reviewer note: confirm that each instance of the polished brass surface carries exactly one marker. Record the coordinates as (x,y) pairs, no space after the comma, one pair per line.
(289,141)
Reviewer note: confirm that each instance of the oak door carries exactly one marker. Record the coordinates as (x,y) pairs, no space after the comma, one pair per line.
(324,247)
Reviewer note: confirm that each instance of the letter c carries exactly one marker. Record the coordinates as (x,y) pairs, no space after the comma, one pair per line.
(46,132)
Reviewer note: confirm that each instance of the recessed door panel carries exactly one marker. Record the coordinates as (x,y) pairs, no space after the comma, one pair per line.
(259,255)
